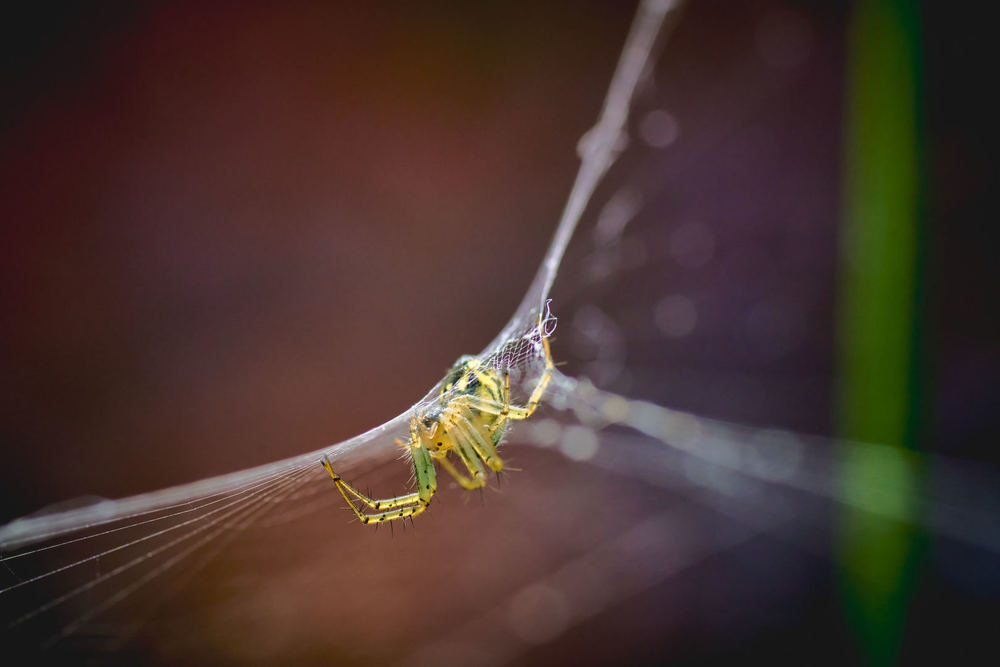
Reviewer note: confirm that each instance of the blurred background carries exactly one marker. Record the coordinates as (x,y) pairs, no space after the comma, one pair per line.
(234,234)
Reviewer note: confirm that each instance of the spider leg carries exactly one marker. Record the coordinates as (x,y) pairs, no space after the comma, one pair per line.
(466,482)
(398,507)
(479,403)
(536,395)
(489,406)
(507,411)
(484,448)
(500,423)
(386,503)
(470,458)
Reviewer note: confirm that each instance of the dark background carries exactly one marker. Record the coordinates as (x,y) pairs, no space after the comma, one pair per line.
(234,234)
(314,209)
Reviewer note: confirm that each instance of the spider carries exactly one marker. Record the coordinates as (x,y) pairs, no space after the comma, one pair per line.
(469,419)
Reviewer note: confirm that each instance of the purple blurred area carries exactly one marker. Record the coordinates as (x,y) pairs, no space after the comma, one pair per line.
(232,234)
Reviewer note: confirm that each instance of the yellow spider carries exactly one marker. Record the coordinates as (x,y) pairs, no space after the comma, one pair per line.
(469,419)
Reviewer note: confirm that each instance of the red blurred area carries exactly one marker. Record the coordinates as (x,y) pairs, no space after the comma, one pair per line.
(233,234)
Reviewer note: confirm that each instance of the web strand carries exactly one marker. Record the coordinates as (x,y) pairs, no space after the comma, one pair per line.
(259,497)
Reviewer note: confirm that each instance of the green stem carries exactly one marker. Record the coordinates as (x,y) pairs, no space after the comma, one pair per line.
(879,313)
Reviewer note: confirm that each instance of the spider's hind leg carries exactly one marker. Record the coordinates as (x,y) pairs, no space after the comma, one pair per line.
(482,445)
(397,507)
(468,483)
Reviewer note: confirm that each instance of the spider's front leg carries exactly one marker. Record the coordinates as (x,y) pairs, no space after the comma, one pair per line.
(514,412)
(505,411)
(398,507)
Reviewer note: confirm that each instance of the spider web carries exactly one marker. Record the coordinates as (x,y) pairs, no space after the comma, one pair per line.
(628,502)
(516,345)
